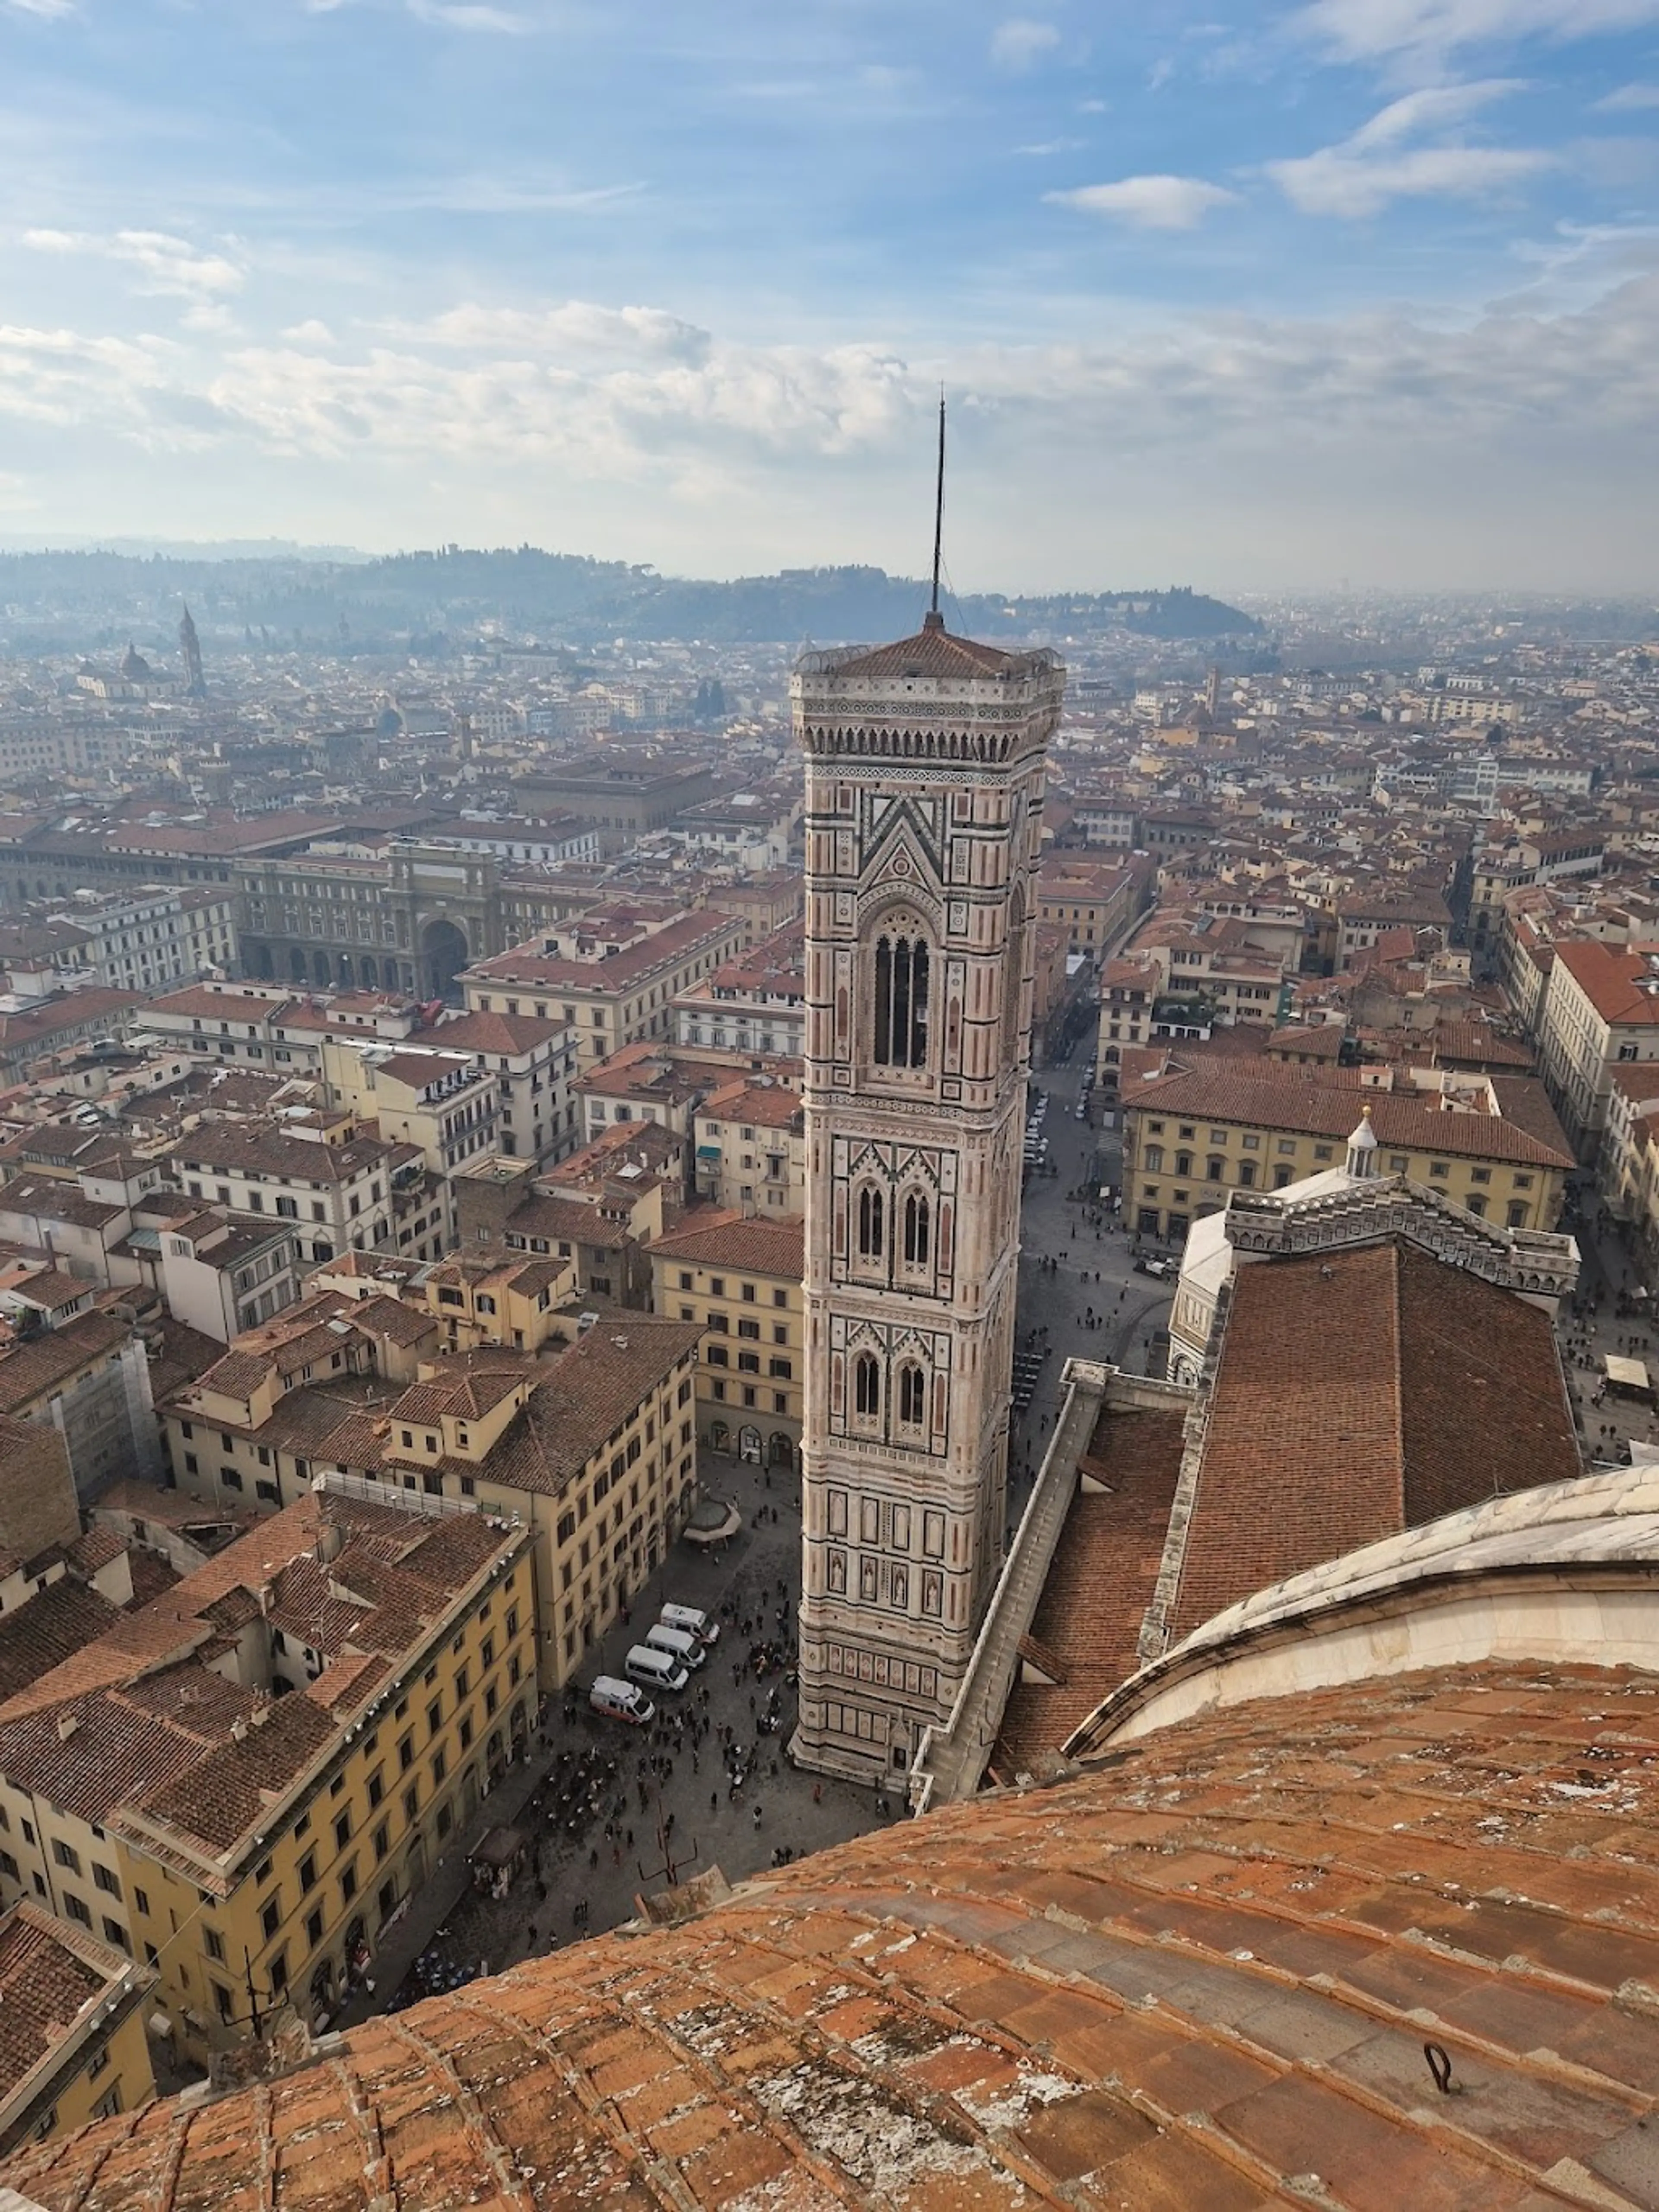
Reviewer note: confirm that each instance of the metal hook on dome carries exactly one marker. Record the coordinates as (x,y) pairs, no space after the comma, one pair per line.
(1441,2067)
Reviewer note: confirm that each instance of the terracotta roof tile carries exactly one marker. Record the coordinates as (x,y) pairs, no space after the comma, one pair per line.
(1313,1102)
(41,1362)
(44,1986)
(1615,979)
(761,1244)
(1104,1570)
(932,652)
(509,1033)
(529,965)
(56,1623)
(1196,1982)
(1355,1397)
(138,1721)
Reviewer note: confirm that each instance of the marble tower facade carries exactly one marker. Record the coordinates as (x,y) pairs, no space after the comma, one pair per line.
(925,767)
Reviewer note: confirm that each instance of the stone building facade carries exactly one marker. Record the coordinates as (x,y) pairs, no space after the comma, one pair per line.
(408,919)
(924,765)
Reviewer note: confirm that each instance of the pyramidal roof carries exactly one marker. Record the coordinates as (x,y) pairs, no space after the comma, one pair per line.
(934,651)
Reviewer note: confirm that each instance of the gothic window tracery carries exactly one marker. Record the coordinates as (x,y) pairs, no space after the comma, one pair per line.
(872,1224)
(912,1395)
(866,1386)
(918,1230)
(903,967)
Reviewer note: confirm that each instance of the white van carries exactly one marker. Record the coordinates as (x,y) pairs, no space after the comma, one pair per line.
(702,1625)
(658,1670)
(678,1643)
(621,1701)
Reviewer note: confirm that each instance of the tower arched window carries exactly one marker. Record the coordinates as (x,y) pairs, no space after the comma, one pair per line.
(866,1386)
(872,1224)
(903,973)
(918,1230)
(912,1395)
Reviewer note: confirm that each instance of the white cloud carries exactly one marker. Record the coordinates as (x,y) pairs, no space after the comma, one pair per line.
(1630,98)
(49,10)
(1375,166)
(1374,30)
(576,326)
(1255,377)
(1529,435)
(1438,108)
(171,267)
(1333,183)
(1020,43)
(63,377)
(469,15)
(1148,203)
(310,332)
(745,404)
(211,316)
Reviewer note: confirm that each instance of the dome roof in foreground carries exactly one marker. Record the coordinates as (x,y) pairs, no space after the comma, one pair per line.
(1199,1976)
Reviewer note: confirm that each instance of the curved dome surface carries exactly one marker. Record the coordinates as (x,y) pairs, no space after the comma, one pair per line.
(1198,1978)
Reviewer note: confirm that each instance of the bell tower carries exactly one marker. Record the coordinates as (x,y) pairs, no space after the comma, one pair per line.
(190,647)
(925,764)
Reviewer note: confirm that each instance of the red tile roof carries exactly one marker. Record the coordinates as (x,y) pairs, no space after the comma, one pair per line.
(1105,1568)
(40,1363)
(57,1622)
(1612,979)
(1200,1981)
(505,1034)
(50,1975)
(1314,1105)
(155,1728)
(528,965)
(202,1001)
(758,1244)
(1356,1396)
(934,651)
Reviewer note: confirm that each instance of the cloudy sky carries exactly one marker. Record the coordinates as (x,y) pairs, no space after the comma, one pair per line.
(1248,295)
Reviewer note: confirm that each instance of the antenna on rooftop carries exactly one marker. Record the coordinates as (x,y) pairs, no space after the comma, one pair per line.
(935,620)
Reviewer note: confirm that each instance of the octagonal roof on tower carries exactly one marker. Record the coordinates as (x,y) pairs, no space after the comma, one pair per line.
(934,651)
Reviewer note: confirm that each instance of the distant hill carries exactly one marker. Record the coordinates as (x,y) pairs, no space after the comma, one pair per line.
(441,598)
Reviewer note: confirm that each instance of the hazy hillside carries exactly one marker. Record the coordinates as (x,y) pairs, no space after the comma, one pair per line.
(366,604)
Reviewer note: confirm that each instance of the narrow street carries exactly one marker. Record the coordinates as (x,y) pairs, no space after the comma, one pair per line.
(1092,1302)
(1610,1314)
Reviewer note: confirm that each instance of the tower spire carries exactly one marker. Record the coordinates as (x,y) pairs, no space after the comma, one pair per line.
(935,620)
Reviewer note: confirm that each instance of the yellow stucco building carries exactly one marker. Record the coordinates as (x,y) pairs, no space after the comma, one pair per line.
(72,2041)
(740,1279)
(1192,1135)
(241,1786)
